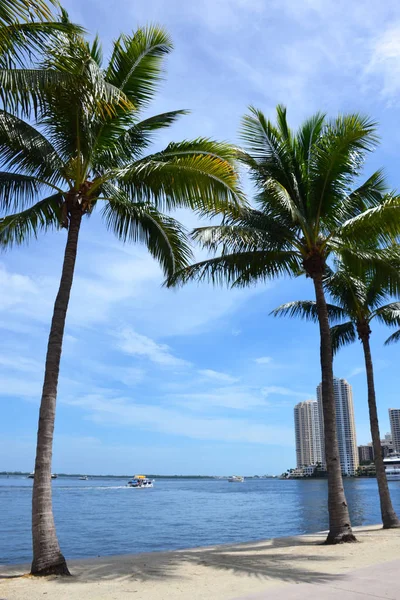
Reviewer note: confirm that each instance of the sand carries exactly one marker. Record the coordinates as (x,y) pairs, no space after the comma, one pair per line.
(214,573)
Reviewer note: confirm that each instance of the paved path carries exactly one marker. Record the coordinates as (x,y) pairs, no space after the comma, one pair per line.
(378,581)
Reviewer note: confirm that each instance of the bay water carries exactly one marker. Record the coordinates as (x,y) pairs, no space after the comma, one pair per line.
(102,516)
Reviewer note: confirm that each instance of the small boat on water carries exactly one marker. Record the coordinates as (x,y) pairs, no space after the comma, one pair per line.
(236,479)
(83,478)
(32,475)
(140,481)
(392,467)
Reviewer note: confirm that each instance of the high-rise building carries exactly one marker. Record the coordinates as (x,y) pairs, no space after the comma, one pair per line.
(387,445)
(345,425)
(307,431)
(365,453)
(394,417)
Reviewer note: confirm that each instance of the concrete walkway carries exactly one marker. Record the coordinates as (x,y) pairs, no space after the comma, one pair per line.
(378,581)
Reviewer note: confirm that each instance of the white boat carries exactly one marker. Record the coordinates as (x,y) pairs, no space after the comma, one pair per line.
(32,475)
(141,481)
(83,478)
(236,479)
(392,467)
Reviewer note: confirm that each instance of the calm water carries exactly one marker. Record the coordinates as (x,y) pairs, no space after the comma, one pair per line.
(102,517)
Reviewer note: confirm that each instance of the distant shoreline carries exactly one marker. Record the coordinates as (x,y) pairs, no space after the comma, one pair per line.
(256,477)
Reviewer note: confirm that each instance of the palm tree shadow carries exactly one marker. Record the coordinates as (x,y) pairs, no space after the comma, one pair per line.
(252,560)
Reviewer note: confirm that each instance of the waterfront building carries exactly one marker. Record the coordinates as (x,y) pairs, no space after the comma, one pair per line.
(365,453)
(394,417)
(387,445)
(346,429)
(307,433)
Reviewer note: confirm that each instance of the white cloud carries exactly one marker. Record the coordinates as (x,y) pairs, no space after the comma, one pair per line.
(233,397)
(16,289)
(218,376)
(263,360)
(282,391)
(385,61)
(122,411)
(134,343)
(355,371)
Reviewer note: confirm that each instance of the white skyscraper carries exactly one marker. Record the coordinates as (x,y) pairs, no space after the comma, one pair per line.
(394,417)
(307,430)
(346,429)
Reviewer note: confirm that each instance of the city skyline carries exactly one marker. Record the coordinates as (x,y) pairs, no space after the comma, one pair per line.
(309,429)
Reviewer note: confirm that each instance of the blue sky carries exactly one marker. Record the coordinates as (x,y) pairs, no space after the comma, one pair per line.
(198,380)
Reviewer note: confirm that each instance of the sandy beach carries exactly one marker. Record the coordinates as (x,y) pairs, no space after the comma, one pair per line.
(215,573)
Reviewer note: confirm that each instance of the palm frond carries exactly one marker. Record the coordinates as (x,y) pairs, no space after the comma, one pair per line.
(337,158)
(165,238)
(380,224)
(17,191)
(118,141)
(135,65)
(21,40)
(18,228)
(342,335)
(198,175)
(241,269)
(25,148)
(388,314)
(393,339)
(307,309)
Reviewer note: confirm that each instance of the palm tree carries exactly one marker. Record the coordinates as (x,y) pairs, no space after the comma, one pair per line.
(360,299)
(87,151)
(306,211)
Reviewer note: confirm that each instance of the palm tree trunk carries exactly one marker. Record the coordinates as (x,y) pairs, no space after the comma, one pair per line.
(339,518)
(389,517)
(47,556)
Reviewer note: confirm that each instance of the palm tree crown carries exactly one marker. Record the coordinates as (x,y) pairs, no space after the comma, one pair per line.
(88,149)
(307,207)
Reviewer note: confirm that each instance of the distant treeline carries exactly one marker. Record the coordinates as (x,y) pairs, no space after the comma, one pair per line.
(128,476)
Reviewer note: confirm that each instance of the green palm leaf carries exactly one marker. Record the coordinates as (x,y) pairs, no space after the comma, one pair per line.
(307,309)
(18,228)
(164,237)
(136,63)
(342,335)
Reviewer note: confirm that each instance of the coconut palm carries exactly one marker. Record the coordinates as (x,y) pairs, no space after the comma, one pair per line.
(358,301)
(88,151)
(305,212)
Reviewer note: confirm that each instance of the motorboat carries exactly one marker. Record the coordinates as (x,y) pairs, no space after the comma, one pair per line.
(83,478)
(140,481)
(32,475)
(236,479)
(392,467)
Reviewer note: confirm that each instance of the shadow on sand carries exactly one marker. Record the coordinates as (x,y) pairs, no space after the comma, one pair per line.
(255,560)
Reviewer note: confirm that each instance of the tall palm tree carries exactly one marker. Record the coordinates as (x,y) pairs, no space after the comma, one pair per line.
(87,151)
(359,300)
(306,211)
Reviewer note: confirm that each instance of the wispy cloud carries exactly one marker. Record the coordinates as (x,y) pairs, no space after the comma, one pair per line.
(217,376)
(263,360)
(124,412)
(134,343)
(282,391)
(355,371)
